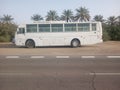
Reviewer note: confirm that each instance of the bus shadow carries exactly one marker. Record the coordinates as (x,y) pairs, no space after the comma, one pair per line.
(7,45)
(11,45)
(53,47)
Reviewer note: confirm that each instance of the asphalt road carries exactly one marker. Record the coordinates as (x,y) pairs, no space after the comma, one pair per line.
(59,72)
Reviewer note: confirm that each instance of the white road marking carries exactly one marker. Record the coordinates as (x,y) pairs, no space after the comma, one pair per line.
(113,56)
(101,74)
(12,56)
(15,74)
(87,56)
(37,57)
(62,56)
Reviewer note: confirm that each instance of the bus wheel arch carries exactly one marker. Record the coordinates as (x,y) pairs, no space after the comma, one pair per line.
(30,43)
(75,42)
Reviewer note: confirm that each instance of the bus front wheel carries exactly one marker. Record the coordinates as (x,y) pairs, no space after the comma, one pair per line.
(75,43)
(30,44)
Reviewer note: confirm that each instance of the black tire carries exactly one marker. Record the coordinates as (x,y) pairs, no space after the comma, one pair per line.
(30,44)
(75,43)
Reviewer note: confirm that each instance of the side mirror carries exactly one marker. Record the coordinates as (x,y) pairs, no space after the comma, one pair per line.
(24,31)
(17,32)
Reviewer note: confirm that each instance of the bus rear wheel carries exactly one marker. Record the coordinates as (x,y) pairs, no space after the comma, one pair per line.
(75,43)
(30,44)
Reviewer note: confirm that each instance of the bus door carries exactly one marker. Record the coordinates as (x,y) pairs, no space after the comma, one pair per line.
(20,36)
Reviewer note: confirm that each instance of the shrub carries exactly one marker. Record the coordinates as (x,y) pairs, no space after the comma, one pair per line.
(7,31)
(5,38)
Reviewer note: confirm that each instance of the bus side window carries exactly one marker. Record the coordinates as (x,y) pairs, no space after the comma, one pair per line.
(44,27)
(21,31)
(31,28)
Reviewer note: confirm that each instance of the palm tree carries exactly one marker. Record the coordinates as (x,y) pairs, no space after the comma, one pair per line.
(7,18)
(82,14)
(52,16)
(36,17)
(112,20)
(0,19)
(118,20)
(98,18)
(67,15)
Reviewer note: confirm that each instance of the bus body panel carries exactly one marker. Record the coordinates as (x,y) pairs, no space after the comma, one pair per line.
(60,38)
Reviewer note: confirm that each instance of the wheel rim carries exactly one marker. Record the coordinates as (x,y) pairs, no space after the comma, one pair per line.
(75,43)
(30,44)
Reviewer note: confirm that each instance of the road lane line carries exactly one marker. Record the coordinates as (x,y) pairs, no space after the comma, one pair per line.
(28,74)
(63,57)
(101,74)
(87,56)
(15,74)
(12,56)
(113,56)
(37,57)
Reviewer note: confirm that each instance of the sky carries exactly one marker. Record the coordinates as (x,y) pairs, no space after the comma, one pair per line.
(22,10)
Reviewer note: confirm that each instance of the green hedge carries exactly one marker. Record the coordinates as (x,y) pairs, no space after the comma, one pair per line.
(7,31)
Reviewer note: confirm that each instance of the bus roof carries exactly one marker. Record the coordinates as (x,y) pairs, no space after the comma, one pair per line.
(59,22)
(54,22)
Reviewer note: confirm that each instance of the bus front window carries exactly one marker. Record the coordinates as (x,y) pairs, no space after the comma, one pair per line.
(21,31)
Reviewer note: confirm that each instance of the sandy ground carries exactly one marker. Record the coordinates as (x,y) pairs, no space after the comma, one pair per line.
(105,48)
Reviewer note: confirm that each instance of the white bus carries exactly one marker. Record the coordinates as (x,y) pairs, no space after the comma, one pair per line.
(58,33)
